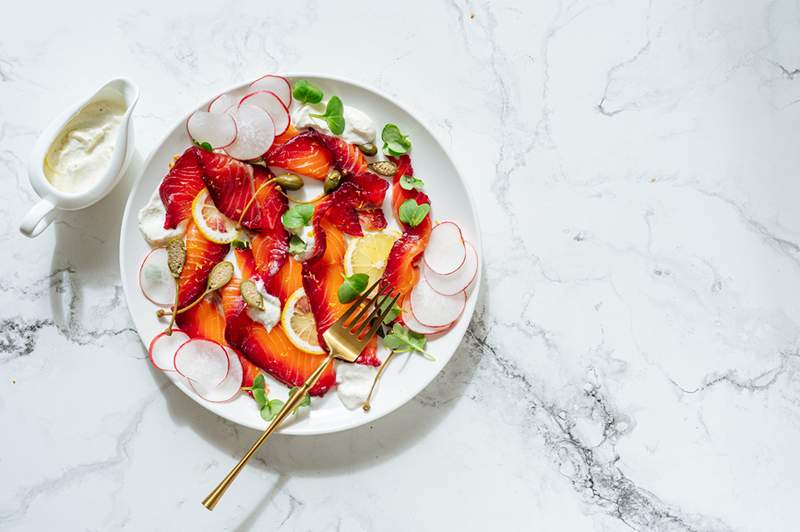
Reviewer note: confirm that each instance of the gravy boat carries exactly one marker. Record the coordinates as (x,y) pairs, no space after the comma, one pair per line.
(41,215)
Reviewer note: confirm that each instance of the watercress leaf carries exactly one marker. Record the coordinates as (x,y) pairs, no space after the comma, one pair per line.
(306,92)
(402,339)
(296,245)
(260,397)
(410,183)
(352,286)
(266,413)
(393,312)
(298,216)
(259,381)
(240,243)
(275,405)
(412,213)
(394,142)
(204,146)
(334,115)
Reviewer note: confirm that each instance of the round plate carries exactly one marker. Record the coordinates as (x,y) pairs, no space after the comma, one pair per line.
(403,378)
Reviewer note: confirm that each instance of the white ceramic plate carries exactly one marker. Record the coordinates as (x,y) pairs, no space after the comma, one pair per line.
(408,374)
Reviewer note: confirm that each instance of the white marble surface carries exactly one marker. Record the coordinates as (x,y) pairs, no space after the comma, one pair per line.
(634,360)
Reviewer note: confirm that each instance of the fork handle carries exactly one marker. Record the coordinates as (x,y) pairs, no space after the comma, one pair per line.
(213,498)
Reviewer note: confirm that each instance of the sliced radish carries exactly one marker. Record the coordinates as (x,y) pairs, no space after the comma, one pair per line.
(434,309)
(163,347)
(277,84)
(203,361)
(223,101)
(269,101)
(446,251)
(413,323)
(218,129)
(256,133)
(459,280)
(228,388)
(155,279)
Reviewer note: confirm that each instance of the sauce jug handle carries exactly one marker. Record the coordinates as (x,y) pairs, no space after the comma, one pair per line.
(37,219)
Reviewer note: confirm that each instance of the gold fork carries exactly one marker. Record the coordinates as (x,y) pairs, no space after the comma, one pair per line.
(346,339)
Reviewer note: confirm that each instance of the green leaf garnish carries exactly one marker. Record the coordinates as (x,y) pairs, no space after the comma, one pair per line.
(240,243)
(298,216)
(204,146)
(352,286)
(412,213)
(271,409)
(297,245)
(393,312)
(306,92)
(260,396)
(403,340)
(394,142)
(334,115)
(408,182)
(305,402)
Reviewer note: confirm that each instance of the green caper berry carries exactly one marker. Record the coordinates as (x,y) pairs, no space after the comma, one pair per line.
(332,181)
(368,149)
(289,182)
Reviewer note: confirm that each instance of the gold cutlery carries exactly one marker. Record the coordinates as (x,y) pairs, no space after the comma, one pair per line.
(345,339)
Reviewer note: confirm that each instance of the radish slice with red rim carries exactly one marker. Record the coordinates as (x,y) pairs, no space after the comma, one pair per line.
(223,101)
(457,281)
(277,84)
(256,133)
(446,251)
(155,280)
(269,101)
(413,323)
(218,129)
(434,309)
(163,347)
(229,387)
(203,361)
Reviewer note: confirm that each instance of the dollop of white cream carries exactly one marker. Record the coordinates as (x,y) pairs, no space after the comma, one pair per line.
(81,153)
(151,223)
(358,126)
(271,315)
(353,382)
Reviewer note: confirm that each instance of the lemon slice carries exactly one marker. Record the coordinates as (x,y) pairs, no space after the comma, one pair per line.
(368,254)
(299,325)
(214,225)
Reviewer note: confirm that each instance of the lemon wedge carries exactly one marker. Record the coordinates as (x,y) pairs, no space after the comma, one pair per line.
(368,254)
(214,225)
(299,325)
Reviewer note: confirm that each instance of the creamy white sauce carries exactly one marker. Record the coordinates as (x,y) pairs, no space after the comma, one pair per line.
(271,314)
(151,223)
(81,153)
(358,126)
(353,382)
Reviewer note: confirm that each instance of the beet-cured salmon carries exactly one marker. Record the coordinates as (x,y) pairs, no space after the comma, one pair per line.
(201,256)
(206,320)
(180,186)
(372,219)
(302,154)
(288,279)
(270,251)
(346,157)
(270,350)
(232,185)
(401,270)
(323,271)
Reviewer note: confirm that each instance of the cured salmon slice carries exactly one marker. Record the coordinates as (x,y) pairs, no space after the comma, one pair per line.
(270,251)
(346,157)
(180,186)
(232,185)
(302,154)
(288,279)
(206,320)
(201,256)
(270,350)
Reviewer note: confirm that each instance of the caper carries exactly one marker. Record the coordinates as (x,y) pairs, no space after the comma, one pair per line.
(251,295)
(289,182)
(384,168)
(368,149)
(332,181)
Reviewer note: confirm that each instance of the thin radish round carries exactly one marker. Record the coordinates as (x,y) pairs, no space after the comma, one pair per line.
(277,84)
(162,349)
(457,281)
(446,251)
(228,388)
(256,133)
(155,279)
(203,361)
(269,101)
(413,323)
(218,129)
(432,308)
(223,101)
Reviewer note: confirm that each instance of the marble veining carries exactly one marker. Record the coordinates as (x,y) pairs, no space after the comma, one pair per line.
(634,359)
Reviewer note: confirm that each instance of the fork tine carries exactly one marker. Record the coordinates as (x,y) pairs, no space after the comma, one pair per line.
(357,319)
(379,312)
(358,302)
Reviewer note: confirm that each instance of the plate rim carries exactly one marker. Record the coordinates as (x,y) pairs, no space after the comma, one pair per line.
(469,310)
